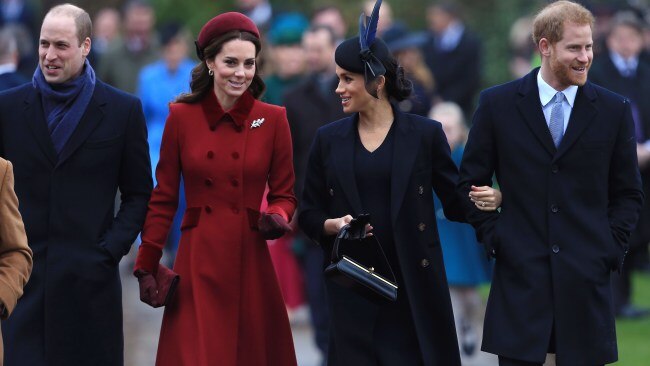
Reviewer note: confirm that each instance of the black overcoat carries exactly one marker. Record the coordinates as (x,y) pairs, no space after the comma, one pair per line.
(71,312)
(421,164)
(565,219)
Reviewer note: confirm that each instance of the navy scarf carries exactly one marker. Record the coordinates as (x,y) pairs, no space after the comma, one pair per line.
(64,104)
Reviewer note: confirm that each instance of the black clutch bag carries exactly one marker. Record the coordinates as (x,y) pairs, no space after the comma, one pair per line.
(374,280)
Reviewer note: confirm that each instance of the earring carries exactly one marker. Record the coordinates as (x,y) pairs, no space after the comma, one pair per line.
(210,72)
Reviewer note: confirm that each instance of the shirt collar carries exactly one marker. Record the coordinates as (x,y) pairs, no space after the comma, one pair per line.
(623,65)
(547,93)
(238,113)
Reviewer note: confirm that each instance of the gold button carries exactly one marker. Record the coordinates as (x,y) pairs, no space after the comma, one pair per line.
(424,263)
(422,226)
(420,190)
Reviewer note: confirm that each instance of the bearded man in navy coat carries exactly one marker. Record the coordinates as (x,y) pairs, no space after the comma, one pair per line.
(74,141)
(564,154)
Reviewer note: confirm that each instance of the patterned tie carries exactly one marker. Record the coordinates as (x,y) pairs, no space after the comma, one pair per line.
(556,125)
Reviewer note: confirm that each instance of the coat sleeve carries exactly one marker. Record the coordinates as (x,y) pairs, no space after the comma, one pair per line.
(477,168)
(281,198)
(625,189)
(164,198)
(314,194)
(15,255)
(134,183)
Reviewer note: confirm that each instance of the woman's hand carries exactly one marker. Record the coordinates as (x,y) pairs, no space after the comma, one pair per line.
(485,198)
(333,226)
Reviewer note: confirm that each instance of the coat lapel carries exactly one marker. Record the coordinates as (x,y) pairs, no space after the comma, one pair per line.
(343,157)
(405,150)
(91,118)
(584,110)
(531,109)
(35,119)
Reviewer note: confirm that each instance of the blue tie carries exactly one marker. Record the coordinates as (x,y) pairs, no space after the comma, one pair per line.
(556,125)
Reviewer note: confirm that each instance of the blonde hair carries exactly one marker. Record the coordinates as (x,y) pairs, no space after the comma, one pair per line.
(549,22)
(450,113)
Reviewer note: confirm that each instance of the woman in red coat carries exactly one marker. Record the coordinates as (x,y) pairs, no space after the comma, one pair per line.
(227,145)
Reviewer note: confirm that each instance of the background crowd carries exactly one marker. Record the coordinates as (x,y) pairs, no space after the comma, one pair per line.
(450,49)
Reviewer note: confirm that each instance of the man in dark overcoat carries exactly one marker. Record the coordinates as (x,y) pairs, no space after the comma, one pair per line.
(564,154)
(74,141)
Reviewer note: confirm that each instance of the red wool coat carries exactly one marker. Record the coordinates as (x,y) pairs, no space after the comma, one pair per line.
(228,310)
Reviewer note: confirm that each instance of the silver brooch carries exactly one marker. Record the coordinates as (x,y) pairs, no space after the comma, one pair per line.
(257,123)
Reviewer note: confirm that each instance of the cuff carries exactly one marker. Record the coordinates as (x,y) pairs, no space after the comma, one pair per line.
(148,259)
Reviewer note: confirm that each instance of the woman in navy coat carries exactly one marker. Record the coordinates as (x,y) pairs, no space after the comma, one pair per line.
(386,163)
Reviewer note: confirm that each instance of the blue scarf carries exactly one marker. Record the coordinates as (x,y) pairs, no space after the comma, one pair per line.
(64,104)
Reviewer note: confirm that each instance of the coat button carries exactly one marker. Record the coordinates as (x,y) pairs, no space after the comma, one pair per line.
(239,128)
(235,155)
(332,192)
(555,209)
(208,182)
(424,263)
(234,182)
(555,249)
(555,168)
(422,226)
(208,209)
(210,154)
(420,189)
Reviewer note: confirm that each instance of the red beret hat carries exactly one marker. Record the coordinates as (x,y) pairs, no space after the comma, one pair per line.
(221,24)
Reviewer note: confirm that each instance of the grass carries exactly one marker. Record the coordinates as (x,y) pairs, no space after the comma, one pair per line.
(634,335)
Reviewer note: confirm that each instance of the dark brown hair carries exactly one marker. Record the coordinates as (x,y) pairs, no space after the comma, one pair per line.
(202,82)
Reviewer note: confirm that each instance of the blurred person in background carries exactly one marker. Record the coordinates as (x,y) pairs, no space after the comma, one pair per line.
(453,55)
(406,48)
(466,265)
(621,70)
(9,77)
(522,52)
(259,11)
(159,84)
(74,142)
(310,105)
(286,56)
(227,146)
(106,25)
(138,46)
(331,16)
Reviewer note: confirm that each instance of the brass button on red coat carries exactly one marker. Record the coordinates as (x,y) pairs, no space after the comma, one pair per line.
(210,154)
(235,155)
(208,209)
(234,182)
(422,226)
(208,182)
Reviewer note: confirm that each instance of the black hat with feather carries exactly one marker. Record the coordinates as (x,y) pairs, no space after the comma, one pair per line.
(365,54)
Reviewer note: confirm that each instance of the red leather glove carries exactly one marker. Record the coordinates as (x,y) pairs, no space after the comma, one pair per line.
(148,288)
(272,226)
